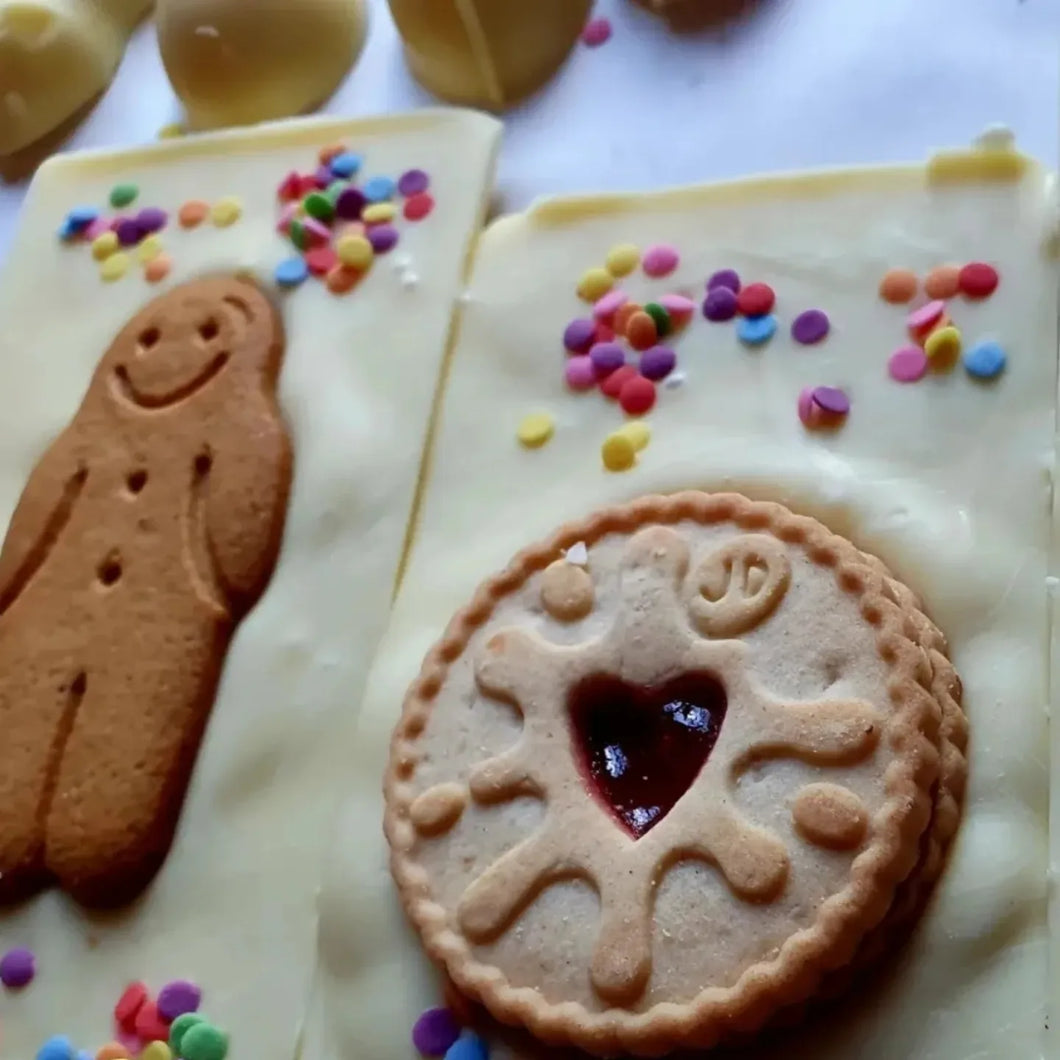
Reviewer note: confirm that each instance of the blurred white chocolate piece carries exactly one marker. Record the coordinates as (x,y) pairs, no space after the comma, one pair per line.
(489,53)
(235,62)
(55,55)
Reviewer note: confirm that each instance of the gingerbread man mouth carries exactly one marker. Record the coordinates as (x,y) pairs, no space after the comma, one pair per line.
(128,390)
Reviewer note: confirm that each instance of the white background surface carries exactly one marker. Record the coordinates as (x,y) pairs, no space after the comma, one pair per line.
(796,83)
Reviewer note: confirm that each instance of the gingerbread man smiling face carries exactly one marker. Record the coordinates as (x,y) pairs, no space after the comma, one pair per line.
(143,535)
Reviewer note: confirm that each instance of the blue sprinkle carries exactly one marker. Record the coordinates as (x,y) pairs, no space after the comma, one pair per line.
(291,272)
(345,164)
(985,360)
(81,216)
(379,189)
(68,230)
(468,1047)
(755,330)
(57,1048)
(84,1054)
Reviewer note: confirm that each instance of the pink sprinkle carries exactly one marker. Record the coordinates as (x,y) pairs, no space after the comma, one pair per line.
(607,306)
(316,231)
(926,315)
(807,409)
(597,31)
(96,228)
(580,373)
(287,215)
(677,305)
(660,260)
(908,364)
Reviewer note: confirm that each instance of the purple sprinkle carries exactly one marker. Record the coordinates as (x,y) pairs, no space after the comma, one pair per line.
(606,357)
(129,232)
(831,399)
(382,238)
(412,182)
(810,327)
(323,176)
(152,218)
(578,335)
(349,204)
(176,998)
(720,304)
(729,278)
(17,967)
(658,362)
(435,1032)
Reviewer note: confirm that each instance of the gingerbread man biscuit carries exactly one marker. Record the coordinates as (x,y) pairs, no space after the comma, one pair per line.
(146,531)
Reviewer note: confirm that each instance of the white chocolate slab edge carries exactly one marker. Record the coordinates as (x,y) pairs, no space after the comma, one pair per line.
(950,482)
(234,907)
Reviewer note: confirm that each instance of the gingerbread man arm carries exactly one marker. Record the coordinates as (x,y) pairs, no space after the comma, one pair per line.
(246,491)
(45,508)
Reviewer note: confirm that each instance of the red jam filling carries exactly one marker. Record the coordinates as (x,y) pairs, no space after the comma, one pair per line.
(640,748)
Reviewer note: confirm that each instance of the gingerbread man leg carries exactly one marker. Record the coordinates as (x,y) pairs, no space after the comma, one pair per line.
(40,694)
(129,757)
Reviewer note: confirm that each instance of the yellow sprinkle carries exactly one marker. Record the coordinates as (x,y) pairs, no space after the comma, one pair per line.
(104,245)
(378,211)
(148,249)
(171,131)
(156,1051)
(618,452)
(535,429)
(943,344)
(114,267)
(354,251)
(226,211)
(638,432)
(622,259)
(594,284)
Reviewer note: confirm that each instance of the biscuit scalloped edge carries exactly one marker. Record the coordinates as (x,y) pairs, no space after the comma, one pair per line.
(843,919)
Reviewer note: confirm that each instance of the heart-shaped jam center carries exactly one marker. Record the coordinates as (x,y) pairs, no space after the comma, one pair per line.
(642,747)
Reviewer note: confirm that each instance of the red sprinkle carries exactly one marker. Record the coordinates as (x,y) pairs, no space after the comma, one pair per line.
(290,189)
(306,183)
(977,279)
(755,300)
(613,384)
(597,31)
(149,1024)
(637,395)
(418,206)
(129,1004)
(321,260)
(604,334)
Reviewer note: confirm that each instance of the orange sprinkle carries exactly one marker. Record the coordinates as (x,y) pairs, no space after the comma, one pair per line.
(342,279)
(942,282)
(641,332)
(622,317)
(898,286)
(112,1051)
(193,213)
(156,270)
(329,152)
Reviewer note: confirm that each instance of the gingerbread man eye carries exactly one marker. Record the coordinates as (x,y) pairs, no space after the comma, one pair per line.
(148,339)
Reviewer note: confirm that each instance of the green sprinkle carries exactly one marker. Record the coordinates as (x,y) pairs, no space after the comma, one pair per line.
(319,206)
(297,236)
(204,1042)
(179,1028)
(123,194)
(334,190)
(663,324)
